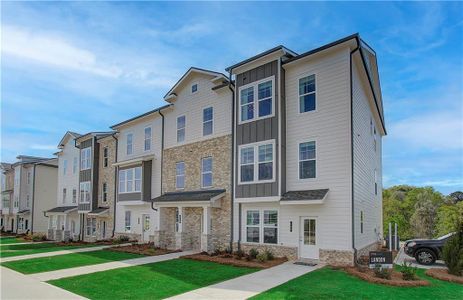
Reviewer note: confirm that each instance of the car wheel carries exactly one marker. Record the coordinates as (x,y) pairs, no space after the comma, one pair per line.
(425,257)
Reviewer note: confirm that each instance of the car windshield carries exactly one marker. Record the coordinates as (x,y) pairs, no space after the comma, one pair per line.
(445,236)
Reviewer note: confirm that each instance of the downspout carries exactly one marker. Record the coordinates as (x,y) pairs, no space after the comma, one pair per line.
(115,186)
(352,149)
(33,200)
(162,157)
(232,162)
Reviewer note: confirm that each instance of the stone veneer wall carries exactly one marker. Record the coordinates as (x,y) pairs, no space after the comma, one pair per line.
(191,238)
(336,257)
(106,174)
(191,154)
(132,236)
(277,250)
(365,250)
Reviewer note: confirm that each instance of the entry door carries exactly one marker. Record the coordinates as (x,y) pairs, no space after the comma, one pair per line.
(146,227)
(308,240)
(103,229)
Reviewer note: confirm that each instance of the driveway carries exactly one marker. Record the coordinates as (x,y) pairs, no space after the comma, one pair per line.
(401,257)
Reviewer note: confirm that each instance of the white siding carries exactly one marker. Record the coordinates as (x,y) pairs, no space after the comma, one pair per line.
(45,195)
(136,218)
(192,105)
(366,160)
(70,180)
(329,126)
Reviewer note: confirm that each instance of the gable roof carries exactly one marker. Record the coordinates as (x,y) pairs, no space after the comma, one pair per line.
(96,134)
(194,70)
(71,134)
(115,126)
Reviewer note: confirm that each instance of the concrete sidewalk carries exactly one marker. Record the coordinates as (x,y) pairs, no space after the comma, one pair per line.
(60,252)
(106,266)
(15,285)
(26,243)
(250,285)
(402,257)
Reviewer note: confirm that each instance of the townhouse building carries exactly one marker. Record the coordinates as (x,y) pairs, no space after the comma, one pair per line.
(7,180)
(307,153)
(64,221)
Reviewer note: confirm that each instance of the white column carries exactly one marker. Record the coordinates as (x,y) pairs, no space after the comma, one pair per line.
(206,219)
(66,222)
(157,222)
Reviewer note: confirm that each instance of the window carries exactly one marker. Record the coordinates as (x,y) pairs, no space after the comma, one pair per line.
(257,163)
(178,219)
(85,162)
(262,226)
(64,195)
(128,221)
(85,192)
(147,138)
(194,88)
(27,200)
(180,175)
(249,109)
(28,177)
(129,149)
(374,138)
(91,226)
(74,165)
(361,221)
(208,116)
(105,192)
(74,195)
(65,168)
(181,122)
(206,172)
(105,157)
(307,160)
(130,180)
(376,183)
(307,100)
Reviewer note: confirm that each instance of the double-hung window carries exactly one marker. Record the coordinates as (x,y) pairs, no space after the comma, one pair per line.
(74,165)
(85,162)
(257,162)
(147,139)
(105,157)
(181,123)
(129,141)
(128,223)
(65,169)
(105,192)
(91,226)
(376,182)
(262,226)
(208,122)
(374,138)
(130,180)
(307,160)
(307,94)
(64,195)
(85,192)
(74,195)
(252,110)
(180,175)
(206,172)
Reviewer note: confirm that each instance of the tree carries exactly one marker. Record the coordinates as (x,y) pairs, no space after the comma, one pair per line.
(456,197)
(447,218)
(453,252)
(422,220)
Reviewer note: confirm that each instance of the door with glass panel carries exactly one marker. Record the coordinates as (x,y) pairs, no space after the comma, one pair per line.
(146,227)
(308,240)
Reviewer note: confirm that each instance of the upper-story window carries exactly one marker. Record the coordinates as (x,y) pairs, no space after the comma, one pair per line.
(65,167)
(181,123)
(129,144)
(74,165)
(74,195)
(249,109)
(180,175)
(208,121)
(64,195)
(130,180)
(194,88)
(374,138)
(206,172)
(307,160)
(105,157)
(257,162)
(28,177)
(85,192)
(147,138)
(104,192)
(85,161)
(27,200)
(307,97)
(376,183)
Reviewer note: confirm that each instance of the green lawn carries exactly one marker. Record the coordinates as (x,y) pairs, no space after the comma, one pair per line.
(15,250)
(151,281)
(327,283)
(11,240)
(46,264)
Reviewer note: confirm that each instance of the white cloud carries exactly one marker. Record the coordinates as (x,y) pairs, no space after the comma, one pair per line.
(446,183)
(43,147)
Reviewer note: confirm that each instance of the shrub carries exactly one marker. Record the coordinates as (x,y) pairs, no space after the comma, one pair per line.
(453,252)
(228,250)
(239,254)
(253,253)
(38,237)
(408,272)
(382,272)
(262,257)
(122,239)
(217,251)
(269,254)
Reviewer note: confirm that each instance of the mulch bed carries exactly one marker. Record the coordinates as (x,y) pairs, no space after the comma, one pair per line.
(143,249)
(443,274)
(227,259)
(396,278)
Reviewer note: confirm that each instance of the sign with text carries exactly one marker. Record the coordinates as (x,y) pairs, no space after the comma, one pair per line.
(383,259)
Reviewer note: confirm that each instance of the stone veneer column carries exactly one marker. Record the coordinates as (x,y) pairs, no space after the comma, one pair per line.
(206,234)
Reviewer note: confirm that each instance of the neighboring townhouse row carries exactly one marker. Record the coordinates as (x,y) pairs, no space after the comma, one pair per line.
(286,157)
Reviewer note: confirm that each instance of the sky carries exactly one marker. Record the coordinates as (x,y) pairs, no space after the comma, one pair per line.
(84,66)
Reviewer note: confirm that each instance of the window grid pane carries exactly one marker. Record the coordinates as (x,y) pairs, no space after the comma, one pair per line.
(307,160)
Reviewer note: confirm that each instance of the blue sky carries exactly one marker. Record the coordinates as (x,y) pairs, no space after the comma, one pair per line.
(85,66)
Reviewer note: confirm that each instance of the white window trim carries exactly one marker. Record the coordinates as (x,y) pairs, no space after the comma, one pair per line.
(255,85)
(177,130)
(129,227)
(133,181)
(176,176)
(81,185)
(307,74)
(256,162)
(211,172)
(316,159)
(127,143)
(105,157)
(88,164)
(204,122)
(74,165)
(103,192)
(145,139)
(261,225)
(74,196)
(191,88)
(65,169)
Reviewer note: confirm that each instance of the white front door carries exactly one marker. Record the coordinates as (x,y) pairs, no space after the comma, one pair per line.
(146,227)
(308,239)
